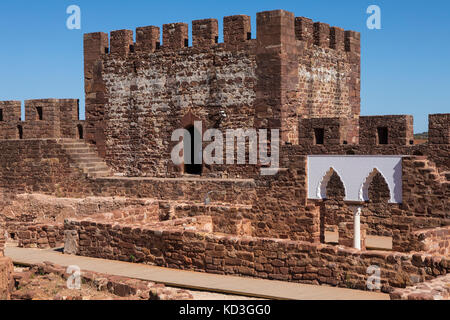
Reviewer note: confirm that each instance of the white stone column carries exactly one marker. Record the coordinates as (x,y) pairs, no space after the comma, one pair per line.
(357,228)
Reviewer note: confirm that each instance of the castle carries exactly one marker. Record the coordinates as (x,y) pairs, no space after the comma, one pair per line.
(298,76)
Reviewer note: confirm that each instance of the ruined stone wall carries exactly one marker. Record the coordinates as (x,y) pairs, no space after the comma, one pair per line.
(376,217)
(277,205)
(433,241)
(257,257)
(41,208)
(425,201)
(34,235)
(435,289)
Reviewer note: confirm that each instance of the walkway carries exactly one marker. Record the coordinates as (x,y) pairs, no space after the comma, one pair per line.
(260,288)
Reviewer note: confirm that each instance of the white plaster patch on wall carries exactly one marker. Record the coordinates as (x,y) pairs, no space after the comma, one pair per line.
(321,74)
(353,171)
(187,82)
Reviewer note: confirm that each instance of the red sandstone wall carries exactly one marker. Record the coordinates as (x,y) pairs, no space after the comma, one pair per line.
(425,204)
(277,203)
(439,129)
(435,289)
(57,118)
(33,166)
(257,257)
(329,74)
(137,98)
(400,130)
(42,236)
(163,90)
(278,206)
(433,241)
(10,111)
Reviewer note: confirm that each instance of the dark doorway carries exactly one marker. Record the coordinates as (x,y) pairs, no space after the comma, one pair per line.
(80,132)
(191,153)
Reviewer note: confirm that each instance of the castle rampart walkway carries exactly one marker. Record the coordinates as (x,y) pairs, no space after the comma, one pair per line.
(260,288)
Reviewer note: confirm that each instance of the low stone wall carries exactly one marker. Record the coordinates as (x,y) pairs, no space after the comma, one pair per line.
(41,208)
(74,239)
(257,257)
(229,219)
(436,289)
(43,236)
(433,241)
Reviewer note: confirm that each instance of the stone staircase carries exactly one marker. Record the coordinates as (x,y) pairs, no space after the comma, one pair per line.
(86,158)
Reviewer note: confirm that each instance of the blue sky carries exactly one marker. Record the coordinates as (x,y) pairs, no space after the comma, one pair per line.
(405,66)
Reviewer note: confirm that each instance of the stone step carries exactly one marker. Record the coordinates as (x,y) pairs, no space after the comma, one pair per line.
(99,174)
(80,151)
(95,164)
(70,148)
(85,157)
(101,167)
(71,144)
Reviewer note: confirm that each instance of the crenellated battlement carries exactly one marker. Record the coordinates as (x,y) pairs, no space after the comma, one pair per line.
(44,118)
(205,34)
(322,35)
(388,130)
(288,56)
(439,128)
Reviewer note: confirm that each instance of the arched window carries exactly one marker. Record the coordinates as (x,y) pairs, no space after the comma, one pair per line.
(375,188)
(331,186)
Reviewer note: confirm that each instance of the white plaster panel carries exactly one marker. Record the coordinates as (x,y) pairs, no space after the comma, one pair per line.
(354,171)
